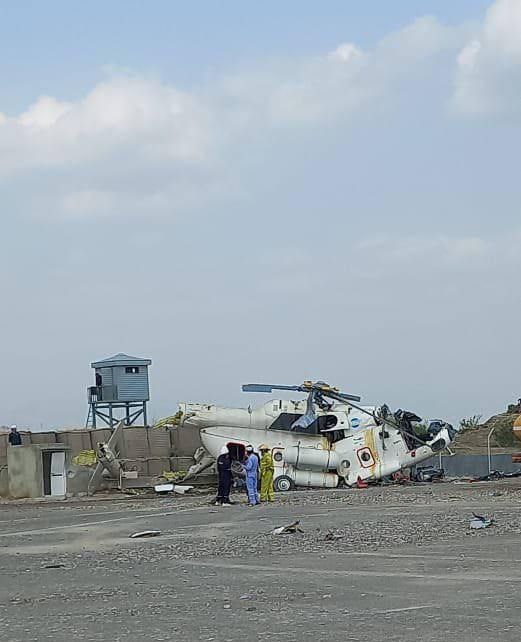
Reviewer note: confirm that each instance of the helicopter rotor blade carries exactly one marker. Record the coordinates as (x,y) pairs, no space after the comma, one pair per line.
(347,397)
(264,387)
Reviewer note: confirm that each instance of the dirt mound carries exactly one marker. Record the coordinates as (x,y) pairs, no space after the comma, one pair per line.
(474,440)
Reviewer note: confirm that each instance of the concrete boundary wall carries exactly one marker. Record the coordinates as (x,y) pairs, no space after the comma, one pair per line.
(150,452)
(472,465)
(138,442)
(153,450)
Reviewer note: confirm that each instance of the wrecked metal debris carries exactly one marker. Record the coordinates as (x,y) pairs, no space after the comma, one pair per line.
(290,528)
(164,488)
(497,474)
(428,474)
(203,461)
(172,488)
(136,492)
(480,521)
(181,490)
(145,534)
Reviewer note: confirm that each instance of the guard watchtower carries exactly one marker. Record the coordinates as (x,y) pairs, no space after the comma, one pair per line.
(121,391)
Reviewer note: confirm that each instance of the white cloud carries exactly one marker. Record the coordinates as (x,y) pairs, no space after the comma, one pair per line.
(421,259)
(423,38)
(502,29)
(441,249)
(488,79)
(374,262)
(467,57)
(345,52)
(87,202)
(338,86)
(134,143)
(45,112)
(161,121)
(124,147)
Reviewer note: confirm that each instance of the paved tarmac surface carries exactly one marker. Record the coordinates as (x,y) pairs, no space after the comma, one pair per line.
(403,565)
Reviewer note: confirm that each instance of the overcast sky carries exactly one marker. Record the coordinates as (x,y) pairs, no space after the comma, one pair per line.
(250,192)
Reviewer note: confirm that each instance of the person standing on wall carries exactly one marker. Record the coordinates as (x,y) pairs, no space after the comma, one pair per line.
(15,438)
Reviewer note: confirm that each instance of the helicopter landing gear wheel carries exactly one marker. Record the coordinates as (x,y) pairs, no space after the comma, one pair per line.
(283,483)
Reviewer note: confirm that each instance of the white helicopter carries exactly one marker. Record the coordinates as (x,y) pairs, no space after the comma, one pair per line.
(322,442)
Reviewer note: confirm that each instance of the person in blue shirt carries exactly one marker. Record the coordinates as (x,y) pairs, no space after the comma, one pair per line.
(251,466)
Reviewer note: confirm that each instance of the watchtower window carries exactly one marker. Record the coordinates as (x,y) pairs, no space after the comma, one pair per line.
(132,370)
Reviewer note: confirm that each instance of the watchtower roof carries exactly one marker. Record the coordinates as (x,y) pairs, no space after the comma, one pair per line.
(121,359)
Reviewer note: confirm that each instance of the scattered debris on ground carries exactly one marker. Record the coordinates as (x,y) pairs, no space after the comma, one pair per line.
(145,534)
(495,475)
(172,488)
(290,528)
(136,492)
(428,474)
(480,521)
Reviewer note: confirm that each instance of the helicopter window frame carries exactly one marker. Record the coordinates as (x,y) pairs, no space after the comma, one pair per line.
(369,460)
(335,436)
(285,420)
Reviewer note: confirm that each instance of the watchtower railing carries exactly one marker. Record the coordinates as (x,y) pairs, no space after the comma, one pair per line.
(102,393)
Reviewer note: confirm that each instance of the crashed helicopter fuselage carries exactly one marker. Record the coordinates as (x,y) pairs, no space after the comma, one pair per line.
(321,442)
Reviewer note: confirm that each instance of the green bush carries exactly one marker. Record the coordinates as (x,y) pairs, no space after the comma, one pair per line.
(503,435)
(470,423)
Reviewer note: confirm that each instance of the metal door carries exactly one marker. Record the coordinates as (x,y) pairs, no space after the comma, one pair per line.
(58,473)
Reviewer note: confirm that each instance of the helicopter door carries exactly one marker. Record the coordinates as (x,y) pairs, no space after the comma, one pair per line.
(237,451)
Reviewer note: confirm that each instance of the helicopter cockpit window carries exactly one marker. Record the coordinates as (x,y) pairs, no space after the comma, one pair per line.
(335,435)
(327,422)
(286,420)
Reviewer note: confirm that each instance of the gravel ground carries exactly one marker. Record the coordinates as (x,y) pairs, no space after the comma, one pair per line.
(388,563)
